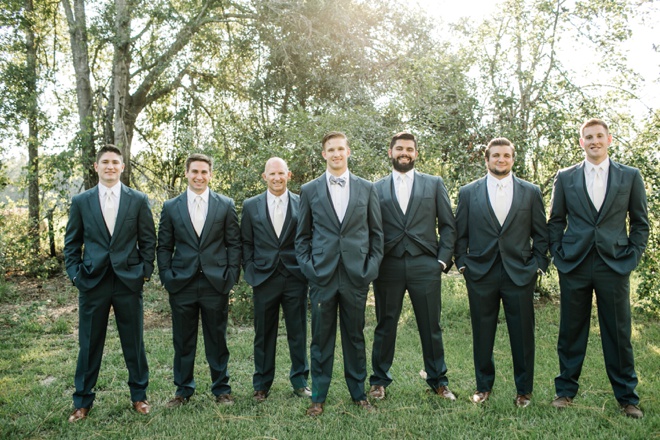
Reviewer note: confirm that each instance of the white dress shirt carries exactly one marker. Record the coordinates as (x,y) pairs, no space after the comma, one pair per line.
(493,183)
(410,178)
(116,191)
(590,174)
(191,195)
(270,201)
(339,195)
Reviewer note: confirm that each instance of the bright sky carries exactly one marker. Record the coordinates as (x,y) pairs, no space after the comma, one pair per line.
(641,55)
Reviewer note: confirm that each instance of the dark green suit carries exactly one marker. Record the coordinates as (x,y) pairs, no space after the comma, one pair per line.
(411,262)
(198,273)
(109,271)
(501,262)
(270,267)
(339,259)
(596,251)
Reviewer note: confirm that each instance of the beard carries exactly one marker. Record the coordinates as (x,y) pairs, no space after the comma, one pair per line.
(403,167)
(495,172)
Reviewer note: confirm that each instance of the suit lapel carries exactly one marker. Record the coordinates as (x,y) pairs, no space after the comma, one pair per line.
(214,205)
(263,217)
(124,204)
(515,203)
(291,210)
(416,195)
(482,199)
(323,194)
(182,204)
(614,180)
(94,204)
(578,184)
(353,198)
(389,199)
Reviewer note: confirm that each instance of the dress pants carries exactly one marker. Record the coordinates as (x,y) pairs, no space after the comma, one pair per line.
(613,300)
(518,302)
(93,313)
(200,298)
(291,294)
(421,277)
(351,301)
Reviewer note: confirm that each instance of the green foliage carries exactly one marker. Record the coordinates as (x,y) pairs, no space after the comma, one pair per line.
(241,306)
(15,243)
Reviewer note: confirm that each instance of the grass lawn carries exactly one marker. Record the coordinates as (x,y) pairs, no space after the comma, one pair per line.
(38,349)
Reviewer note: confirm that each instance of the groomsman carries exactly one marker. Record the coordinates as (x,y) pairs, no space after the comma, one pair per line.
(268,229)
(109,253)
(199,259)
(501,248)
(339,246)
(598,232)
(416,211)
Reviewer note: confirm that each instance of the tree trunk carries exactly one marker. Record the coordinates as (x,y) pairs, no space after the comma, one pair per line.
(33,127)
(78,35)
(121,78)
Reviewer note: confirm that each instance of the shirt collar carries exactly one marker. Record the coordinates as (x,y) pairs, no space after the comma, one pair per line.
(492,180)
(270,197)
(115,189)
(410,174)
(191,195)
(343,176)
(604,165)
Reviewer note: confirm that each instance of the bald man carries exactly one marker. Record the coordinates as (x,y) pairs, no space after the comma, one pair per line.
(268,229)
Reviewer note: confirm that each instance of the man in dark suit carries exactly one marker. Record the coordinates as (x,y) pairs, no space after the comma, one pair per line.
(268,230)
(199,260)
(109,252)
(501,248)
(415,209)
(598,232)
(339,246)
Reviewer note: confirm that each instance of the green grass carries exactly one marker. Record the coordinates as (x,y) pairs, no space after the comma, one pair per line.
(38,349)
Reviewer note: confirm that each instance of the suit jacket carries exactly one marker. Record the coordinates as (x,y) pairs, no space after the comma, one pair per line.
(263,251)
(481,238)
(89,250)
(574,229)
(322,241)
(429,213)
(217,253)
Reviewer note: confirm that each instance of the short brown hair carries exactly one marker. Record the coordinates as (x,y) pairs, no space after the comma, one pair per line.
(500,142)
(331,135)
(109,148)
(404,135)
(197,157)
(594,121)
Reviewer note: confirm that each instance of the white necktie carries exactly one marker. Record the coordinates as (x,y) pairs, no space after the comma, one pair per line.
(598,189)
(402,195)
(278,216)
(110,211)
(500,208)
(198,216)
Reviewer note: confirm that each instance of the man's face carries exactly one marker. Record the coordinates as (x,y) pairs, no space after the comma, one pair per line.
(500,161)
(276,175)
(199,176)
(109,168)
(403,154)
(336,154)
(594,141)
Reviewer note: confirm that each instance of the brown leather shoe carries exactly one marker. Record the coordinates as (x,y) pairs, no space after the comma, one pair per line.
(260,395)
(177,401)
(224,399)
(303,392)
(632,411)
(444,392)
(315,409)
(523,400)
(377,392)
(561,402)
(142,406)
(480,396)
(365,405)
(78,414)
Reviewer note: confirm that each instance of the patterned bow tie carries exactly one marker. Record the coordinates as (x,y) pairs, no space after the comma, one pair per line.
(337,181)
